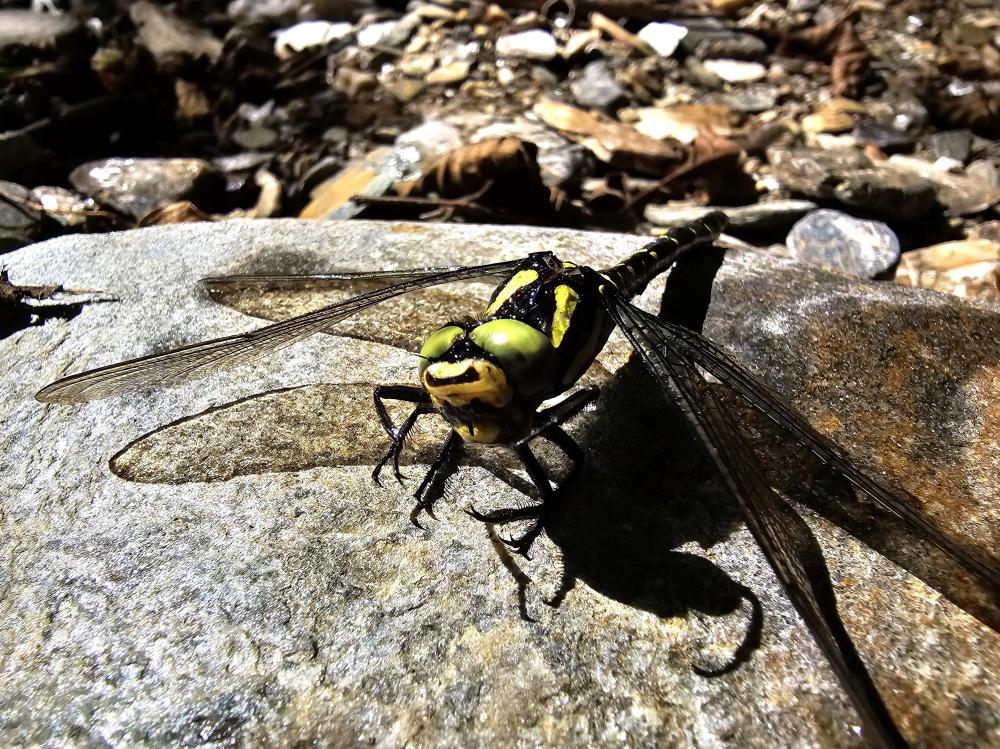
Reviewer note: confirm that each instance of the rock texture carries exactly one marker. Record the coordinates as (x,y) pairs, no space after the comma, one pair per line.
(211,565)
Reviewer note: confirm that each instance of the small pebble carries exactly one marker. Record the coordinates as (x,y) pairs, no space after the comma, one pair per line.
(597,87)
(663,37)
(535,44)
(736,71)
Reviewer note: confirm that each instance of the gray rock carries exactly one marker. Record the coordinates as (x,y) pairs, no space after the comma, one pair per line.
(886,137)
(233,576)
(951,144)
(803,6)
(25,28)
(775,214)
(883,192)
(63,206)
(961,194)
(596,87)
(256,137)
(19,221)
(751,99)
(170,38)
(389,33)
(834,240)
(288,11)
(432,138)
(729,45)
(851,178)
(136,186)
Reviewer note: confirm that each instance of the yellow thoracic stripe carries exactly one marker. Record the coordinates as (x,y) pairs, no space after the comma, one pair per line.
(566,300)
(520,280)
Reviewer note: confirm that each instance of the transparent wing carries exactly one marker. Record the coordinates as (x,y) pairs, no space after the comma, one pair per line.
(200,359)
(335,278)
(900,503)
(783,536)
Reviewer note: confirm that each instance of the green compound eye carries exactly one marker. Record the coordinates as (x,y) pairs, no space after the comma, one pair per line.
(525,353)
(439,342)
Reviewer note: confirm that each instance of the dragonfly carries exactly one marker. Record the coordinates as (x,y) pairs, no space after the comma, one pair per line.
(509,376)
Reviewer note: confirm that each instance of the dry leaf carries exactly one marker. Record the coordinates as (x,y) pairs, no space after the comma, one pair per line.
(610,141)
(467,169)
(181,212)
(838,42)
(499,172)
(849,65)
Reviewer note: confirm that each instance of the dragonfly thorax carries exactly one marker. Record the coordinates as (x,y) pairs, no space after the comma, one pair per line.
(487,378)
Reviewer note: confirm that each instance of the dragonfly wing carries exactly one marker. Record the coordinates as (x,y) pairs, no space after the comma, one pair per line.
(783,536)
(336,278)
(200,359)
(900,503)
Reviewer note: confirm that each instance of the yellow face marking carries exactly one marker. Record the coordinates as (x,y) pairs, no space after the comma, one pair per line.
(481,431)
(459,383)
(652,254)
(566,301)
(521,279)
(568,264)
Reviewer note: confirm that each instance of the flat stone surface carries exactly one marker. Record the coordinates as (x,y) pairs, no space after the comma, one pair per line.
(211,564)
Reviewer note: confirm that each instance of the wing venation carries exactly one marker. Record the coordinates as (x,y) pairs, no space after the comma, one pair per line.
(200,359)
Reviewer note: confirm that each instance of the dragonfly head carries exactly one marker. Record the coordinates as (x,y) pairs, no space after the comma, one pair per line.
(487,378)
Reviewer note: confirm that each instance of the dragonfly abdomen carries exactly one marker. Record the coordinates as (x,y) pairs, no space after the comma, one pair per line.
(633,274)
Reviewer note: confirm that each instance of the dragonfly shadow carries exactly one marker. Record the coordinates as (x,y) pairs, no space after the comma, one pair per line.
(644,491)
(647,489)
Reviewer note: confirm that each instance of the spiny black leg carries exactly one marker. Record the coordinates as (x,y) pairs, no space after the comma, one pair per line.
(398,442)
(435,472)
(407,393)
(560,413)
(535,513)
(558,437)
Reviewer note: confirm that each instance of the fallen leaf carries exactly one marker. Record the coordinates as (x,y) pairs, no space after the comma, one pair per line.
(610,141)
(181,212)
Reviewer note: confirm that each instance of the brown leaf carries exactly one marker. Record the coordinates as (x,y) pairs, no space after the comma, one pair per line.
(850,63)
(500,172)
(612,142)
(182,212)
(469,168)
(836,41)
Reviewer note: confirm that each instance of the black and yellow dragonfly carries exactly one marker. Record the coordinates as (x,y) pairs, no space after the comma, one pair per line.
(492,376)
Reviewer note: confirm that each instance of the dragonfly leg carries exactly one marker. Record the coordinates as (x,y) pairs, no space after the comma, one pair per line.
(535,513)
(560,413)
(438,469)
(550,429)
(406,393)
